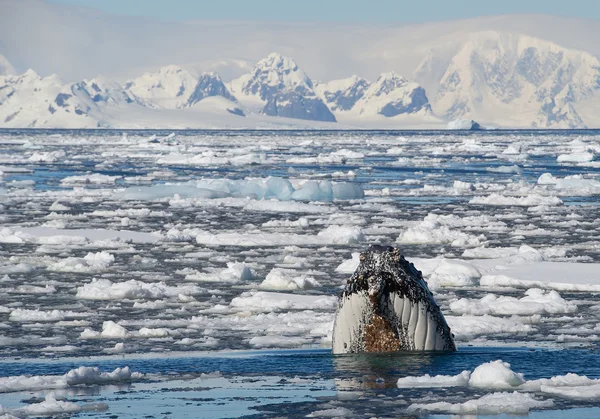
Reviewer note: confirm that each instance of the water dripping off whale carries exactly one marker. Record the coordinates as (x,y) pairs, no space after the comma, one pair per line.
(386,306)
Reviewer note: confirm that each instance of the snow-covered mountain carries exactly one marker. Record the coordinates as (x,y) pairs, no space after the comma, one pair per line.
(499,79)
(392,95)
(169,88)
(342,95)
(209,84)
(278,87)
(28,100)
(511,80)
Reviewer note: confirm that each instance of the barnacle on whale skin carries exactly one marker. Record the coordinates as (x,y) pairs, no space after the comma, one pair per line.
(386,306)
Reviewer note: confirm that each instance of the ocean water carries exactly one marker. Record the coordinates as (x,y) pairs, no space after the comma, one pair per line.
(168,253)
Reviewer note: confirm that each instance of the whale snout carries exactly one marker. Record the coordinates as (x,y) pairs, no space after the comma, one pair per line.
(387,306)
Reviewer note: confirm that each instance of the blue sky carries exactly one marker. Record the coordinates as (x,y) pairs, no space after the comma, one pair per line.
(338,10)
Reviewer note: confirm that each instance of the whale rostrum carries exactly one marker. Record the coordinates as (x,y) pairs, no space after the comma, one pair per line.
(386,306)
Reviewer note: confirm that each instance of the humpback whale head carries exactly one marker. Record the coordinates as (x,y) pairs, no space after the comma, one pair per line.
(386,306)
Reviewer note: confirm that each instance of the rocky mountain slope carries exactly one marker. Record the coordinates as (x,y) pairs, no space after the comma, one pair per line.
(278,87)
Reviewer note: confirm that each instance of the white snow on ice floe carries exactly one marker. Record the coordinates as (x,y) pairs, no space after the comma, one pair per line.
(92,262)
(104,289)
(93,178)
(274,301)
(498,375)
(26,315)
(55,236)
(331,235)
(350,265)
(110,330)
(427,381)
(576,157)
(468,327)
(269,188)
(50,407)
(530,200)
(437,229)
(536,301)
(77,376)
(235,272)
(288,279)
(576,184)
(490,404)
(454,273)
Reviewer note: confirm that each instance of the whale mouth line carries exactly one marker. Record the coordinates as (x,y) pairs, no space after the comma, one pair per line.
(387,306)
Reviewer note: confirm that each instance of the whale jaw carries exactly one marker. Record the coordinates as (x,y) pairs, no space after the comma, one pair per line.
(386,307)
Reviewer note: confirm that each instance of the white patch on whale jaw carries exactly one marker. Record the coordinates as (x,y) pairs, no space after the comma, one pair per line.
(386,307)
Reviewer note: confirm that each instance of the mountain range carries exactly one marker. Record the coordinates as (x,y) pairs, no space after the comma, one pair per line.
(500,72)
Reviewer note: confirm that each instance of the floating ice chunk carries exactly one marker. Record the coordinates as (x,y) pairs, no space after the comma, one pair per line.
(497,375)
(131,213)
(463,124)
(342,234)
(92,262)
(32,289)
(505,169)
(51,406)
(93,178)
(576,157)
(104,289)
(454,273)
(331,235)
(347,191)
(269,188)
(300,222)
(54,236)
(574,183)
(349,154)
(81,375)
(319,159)
(586,392)
(209,158)
(435,229)
(490,404)
(513,149)
(287,279)
(25,315)
(17,268)
(494,281)
(336,412)
(350,265)
(288,206)
(536,301)
(57,206)
(274,301)
(110,330)
(234,273)
(521,201)
(427,381)
(313,190)
(46,156)
(159,332)
(277,341)
(93,375)
(467,327)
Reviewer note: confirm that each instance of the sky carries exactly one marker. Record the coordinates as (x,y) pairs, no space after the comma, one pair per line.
(350,11)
